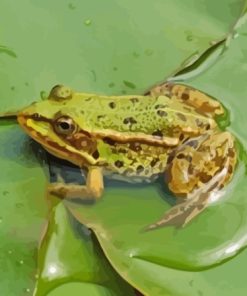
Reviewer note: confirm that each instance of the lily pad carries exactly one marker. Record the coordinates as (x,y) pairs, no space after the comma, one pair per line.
(23,211)
(70,254)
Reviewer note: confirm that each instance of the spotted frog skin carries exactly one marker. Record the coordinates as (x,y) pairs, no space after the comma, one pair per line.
(170,131)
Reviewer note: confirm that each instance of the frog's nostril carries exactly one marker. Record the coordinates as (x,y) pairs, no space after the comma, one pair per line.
(36,116)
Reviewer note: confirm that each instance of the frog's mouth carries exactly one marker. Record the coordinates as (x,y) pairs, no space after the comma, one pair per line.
(41,130)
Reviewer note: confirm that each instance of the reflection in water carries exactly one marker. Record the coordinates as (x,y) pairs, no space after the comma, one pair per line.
(52,269)
(232,249)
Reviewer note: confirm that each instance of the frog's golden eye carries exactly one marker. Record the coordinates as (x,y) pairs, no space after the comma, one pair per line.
(64,126)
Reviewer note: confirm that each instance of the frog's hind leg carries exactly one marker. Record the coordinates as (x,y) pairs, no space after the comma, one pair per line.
(91,191)
(201,102)
(198,171)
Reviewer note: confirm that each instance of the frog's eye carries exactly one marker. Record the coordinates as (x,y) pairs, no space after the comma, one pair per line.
(64,126)
(60,92)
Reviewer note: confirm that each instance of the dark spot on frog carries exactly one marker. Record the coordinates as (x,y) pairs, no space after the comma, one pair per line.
(204,177)
(162,113)
(100,117)
(185,96)
(119,163)
(109,141)
(219,162)
(95,154)
(221,186)
(184,156)
(134,100)
(191,169)
(180,156)
(153,162)
(181,137)
(130,120)
(230,169)
(207,127)
(181,116)
(192,143)
(159,106)
(122,150)
(139,169)
(135,146)
(82,112)
(157,133)
(88,99)
(231,153)
(112,105)
(188,108)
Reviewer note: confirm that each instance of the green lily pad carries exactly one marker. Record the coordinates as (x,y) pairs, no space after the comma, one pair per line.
(78,289)
(22,213)
(109,47)
(69,253)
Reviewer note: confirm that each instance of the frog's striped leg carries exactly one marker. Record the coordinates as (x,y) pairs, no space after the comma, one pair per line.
(92,190)
(197,173)
(201,102)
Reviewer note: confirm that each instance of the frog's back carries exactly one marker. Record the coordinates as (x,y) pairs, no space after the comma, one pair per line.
(146,114)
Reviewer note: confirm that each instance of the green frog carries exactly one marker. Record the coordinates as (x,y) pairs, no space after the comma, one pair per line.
(170,131)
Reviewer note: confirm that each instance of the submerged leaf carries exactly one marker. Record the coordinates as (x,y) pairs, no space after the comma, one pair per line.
(69,253)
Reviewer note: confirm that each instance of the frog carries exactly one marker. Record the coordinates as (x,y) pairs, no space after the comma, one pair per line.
(171,132)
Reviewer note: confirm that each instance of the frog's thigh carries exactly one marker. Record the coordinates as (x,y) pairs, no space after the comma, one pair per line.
(202,103)
(199,169)
(92,190)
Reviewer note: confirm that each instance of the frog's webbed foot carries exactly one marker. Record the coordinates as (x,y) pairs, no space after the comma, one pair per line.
(92,190)
(201,102)
(182,213)
(198,171)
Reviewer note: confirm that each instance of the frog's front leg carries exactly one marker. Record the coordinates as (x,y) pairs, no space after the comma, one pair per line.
(198,170)
(92,190)
(201,102)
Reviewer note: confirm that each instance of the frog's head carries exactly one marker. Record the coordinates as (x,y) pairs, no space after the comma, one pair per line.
(52,123)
